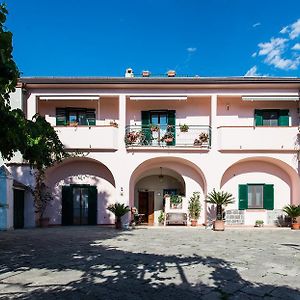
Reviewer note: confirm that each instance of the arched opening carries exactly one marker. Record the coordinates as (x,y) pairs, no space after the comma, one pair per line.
(262,186)
(155,178)
(82,189)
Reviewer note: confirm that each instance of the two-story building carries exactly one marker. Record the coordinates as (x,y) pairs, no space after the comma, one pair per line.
(137,139)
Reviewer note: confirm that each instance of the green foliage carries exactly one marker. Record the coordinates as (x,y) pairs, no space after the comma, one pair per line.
(292,211)
(220,199)
(161,217)
(175,199)
(194,206)
(118,209)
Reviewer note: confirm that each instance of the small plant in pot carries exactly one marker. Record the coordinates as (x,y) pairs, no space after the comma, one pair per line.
(161,218)
(293,212)
(119,210)
(219,199)
(194,208)
(176,201)
(184,128)
(259,223)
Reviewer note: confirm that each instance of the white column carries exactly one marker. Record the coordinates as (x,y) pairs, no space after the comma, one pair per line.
(122,121)
(213,122)
(31,106)
(98,112)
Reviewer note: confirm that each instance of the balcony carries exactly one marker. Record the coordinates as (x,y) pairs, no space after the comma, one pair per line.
(249,138)
(88,137)
(196,136)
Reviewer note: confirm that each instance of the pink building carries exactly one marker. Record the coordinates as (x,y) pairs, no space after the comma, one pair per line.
(242,136)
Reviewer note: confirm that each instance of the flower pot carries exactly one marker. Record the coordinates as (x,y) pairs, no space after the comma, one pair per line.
(295,226)
(169,140)
(118,224)
(219,225)
(44,222)
(193,222)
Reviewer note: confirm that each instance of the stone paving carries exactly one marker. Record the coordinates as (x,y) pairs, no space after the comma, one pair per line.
(150,263)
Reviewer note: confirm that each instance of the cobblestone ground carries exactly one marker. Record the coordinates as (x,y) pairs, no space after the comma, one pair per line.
(150,263)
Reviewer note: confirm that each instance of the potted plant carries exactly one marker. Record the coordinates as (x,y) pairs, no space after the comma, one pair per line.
(293,212)
(202,139)
(168,137)
(161,218)
(119,210)
(184,128)
(259,223)
(194,208)
(154,128)
(176,201)
(220,199)
(132,137)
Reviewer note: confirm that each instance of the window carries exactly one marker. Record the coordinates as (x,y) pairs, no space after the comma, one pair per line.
(271,117)
(75,116)
(254,196)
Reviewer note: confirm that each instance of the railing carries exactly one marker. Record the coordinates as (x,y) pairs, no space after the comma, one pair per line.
(196,136)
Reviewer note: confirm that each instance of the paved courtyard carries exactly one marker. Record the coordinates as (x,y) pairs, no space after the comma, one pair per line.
(150,263)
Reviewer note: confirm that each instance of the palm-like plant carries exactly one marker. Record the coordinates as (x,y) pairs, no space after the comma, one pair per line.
(292,211)
(119,210)
(220,199)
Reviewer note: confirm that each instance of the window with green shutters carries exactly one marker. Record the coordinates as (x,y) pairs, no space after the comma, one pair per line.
(73,115)
(271,117)
(255,196)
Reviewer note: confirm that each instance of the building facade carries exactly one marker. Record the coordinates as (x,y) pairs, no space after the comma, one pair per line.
(135,140)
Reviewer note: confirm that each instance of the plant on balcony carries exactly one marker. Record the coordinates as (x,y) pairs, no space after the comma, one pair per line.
(114,124)
(293,212)
(168,137)
(176,201)
(220,199)
(194,208)
(184,128)
(132,137)
(154,128)
(119,210)
(202,139)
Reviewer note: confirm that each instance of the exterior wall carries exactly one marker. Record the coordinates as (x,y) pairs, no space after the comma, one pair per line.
(82,172)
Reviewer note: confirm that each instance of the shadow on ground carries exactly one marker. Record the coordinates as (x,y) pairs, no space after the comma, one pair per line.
(105,272)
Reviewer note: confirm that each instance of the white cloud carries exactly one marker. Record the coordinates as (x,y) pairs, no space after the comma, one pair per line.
(191,49)
(254,54)
(256,24)
(284,30)
(273,52)
(295,30)
(296,47)
(252,72)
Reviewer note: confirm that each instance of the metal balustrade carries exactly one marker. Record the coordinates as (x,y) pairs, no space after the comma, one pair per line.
(196,136)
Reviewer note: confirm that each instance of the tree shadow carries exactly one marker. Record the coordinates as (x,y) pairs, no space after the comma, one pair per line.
(90,268)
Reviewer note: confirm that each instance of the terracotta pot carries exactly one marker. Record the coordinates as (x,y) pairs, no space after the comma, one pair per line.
(44,222)
(193,222)
(219,225)
(169,140)
(295,226)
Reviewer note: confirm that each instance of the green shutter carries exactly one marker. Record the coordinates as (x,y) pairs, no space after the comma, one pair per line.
(258,117)
(283,117)
(67,205)
(92,213)
(172,121)
(269,196)
(146,126)
(243,196)
(61,117)
(91,117)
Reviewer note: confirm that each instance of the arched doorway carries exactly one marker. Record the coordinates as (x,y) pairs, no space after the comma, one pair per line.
(82,189)
(155,178)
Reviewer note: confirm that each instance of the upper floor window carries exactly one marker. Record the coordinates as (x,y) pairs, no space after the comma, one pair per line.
(271,117)
(75,116)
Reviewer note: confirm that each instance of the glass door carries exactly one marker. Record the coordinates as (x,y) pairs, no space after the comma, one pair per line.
(159,123)
(80,205)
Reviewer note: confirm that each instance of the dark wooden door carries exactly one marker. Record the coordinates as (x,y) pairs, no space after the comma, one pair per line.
(146,206)
(18,209)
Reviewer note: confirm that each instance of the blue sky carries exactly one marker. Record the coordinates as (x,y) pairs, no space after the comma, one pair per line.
(194,37)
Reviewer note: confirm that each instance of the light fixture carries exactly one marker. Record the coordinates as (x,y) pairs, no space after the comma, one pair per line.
(161,176)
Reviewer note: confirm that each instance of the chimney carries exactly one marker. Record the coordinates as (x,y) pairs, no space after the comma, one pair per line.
(129,73)
(171,73)
(146,73)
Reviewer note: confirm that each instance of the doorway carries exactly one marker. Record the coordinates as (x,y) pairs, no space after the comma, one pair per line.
(18,208)
(146,207)
(79,205)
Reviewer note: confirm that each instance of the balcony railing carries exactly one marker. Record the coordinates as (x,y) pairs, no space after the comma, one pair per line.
(196,136)
(88,137)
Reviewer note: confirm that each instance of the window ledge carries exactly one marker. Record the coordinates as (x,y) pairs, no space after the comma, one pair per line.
(256,209)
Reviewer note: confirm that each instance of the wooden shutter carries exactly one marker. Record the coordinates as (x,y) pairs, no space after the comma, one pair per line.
(283,117)
(91,117)
(92,201)
(243,196)
(61,117)
(269,196)
(258,117)
(172,122)
(146,126)
(67,205)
